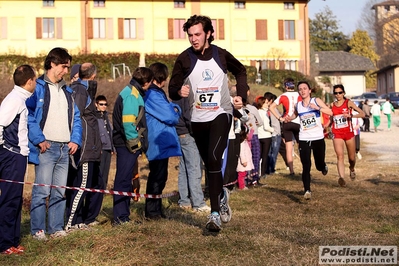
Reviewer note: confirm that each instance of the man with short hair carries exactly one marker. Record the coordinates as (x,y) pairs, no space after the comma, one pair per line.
(55,133)
(200,74)
(14,151)
(84,171)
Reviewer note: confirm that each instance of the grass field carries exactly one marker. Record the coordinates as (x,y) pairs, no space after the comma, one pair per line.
(272,225)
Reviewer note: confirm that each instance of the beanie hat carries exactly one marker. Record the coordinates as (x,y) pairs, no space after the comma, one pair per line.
(74,70)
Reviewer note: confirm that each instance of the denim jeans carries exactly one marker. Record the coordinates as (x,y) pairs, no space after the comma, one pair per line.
(190,174)
(273,152)
(51,170)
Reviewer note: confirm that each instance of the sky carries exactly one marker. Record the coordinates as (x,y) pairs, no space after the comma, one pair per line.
(347,12)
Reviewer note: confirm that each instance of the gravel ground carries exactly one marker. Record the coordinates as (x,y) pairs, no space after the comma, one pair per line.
(385,143)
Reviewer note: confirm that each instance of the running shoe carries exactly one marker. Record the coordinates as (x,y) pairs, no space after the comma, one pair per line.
(341,182)
(214,224)
(225,210)
(325,170)
(40,235)
(352,174)
(307,195)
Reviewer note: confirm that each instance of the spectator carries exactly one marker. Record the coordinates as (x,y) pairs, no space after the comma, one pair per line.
(387,109)
(376,113)
(245,164)
(105,130)
(127,115)
(55,133)
(14,151)
(366,119)
(162,117)
(83,207)
(265,134)
(190,172)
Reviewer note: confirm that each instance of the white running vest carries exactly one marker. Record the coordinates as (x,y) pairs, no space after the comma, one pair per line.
(211,95)
(311,127)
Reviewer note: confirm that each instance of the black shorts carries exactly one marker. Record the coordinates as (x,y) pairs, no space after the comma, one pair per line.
(291,131)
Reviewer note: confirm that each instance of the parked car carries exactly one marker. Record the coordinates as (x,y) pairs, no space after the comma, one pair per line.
(393,97)
(371,96)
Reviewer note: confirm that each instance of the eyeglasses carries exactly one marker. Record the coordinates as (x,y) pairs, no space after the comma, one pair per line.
(103,104)
(338,92)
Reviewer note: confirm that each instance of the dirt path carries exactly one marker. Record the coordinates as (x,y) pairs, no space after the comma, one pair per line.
(385,143)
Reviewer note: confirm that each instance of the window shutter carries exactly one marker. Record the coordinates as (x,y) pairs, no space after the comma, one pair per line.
(58,32)
(109,29)
(280,29)
(281,64)
(261,29)
(89,28)
(140,28)
(170,28)
(39,28)
(221,29)
(3,29)
(120,28)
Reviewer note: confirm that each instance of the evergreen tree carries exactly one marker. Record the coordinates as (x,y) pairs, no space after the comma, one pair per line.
(325,34)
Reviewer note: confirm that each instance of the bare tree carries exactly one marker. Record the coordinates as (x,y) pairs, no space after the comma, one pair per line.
(382,25)
(368,19)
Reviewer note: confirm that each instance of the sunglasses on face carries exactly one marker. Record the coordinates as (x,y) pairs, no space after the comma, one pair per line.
(338,92)
(103,104)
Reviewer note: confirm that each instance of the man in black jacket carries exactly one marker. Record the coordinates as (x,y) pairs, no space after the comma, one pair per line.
(84,207)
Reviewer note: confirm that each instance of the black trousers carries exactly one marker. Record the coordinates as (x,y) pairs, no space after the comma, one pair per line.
(211,139)
(155,184)
(319,155)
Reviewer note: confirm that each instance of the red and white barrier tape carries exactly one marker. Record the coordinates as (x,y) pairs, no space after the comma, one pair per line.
(104,191)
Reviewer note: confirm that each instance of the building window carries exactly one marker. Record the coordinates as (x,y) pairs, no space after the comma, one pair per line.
(48,28)
(289,5)
(178,32)
(387,8)
(99,3)
(180,4)
(289,30)
(239,4)
(48,2)
(290,65)
(99,28)
(129,28)
(397,8)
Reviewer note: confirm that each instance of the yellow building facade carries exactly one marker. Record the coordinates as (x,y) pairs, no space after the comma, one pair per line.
(266,34)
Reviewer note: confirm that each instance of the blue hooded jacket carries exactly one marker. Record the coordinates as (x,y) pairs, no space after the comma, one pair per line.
(38,105)
(162,116)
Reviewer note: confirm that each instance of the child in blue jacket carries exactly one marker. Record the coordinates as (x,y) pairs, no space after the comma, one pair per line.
(161,116)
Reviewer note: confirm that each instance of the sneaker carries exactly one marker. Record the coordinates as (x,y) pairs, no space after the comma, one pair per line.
(11,250)
(341,182)
(225,210)
(40,235)
(214,223)
(20,248)
(259,184)
(58,234)
(352,174)
(307,195)
(244,188)
(185,207)
(95,223)
(204,208)
(359,156)
(325,170)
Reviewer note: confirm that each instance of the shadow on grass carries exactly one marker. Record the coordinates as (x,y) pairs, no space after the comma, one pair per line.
(295,196)
(377,181)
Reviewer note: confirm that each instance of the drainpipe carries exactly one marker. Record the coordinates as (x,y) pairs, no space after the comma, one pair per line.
(85,27)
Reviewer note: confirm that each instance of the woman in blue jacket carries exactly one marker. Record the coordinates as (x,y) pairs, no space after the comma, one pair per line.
(163,142)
